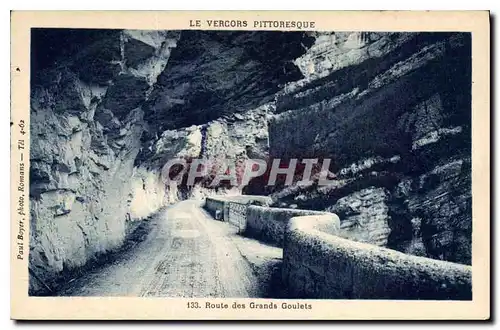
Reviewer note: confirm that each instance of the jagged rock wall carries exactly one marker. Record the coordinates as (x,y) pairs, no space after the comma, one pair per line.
(239,135)
(112,106)
(391,109)
(364,214)
(332,51)
(86,124)
(227,140)
(230,137)
(215,73)
(393,112)
(148,193)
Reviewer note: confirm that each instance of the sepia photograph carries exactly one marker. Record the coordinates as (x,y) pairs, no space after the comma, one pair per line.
(239,158)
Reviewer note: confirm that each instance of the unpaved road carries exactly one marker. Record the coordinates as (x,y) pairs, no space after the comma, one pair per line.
(185,254)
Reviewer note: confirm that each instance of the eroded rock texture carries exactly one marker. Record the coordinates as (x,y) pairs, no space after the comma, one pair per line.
(213,74)
(86,124)
(109,108)
(393,112)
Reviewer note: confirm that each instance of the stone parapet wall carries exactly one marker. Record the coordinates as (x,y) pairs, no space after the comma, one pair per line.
(319,264)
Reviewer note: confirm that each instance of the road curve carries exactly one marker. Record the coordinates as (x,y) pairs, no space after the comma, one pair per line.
(186,254)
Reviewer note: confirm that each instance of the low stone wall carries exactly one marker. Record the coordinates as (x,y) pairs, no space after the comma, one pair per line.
(214,205)
(233,209)
(268,224)
(237,215)
(319,264)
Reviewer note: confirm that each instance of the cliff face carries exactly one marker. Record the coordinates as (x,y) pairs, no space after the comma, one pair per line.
(213,74)
(392,111)
(111,107)
(86,124)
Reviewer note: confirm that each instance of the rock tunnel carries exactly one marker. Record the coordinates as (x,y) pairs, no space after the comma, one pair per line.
(110,107)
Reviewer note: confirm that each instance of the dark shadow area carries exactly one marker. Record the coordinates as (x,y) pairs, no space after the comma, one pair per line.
(229,71)
(53,47)
(272,285)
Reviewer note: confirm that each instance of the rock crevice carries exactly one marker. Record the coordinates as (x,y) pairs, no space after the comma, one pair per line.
(392,111)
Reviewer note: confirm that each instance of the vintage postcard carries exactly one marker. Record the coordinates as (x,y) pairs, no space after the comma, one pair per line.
(250,165)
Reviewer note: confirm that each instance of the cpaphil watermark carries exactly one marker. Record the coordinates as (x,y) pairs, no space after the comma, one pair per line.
(239,173)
